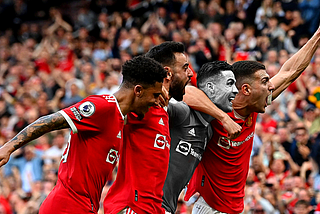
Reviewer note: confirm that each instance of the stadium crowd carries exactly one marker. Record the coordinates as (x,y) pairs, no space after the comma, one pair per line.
(55,53)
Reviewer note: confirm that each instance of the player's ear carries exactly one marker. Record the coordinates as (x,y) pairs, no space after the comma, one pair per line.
(210,87)
(246,89)
(138,90)
(169,72)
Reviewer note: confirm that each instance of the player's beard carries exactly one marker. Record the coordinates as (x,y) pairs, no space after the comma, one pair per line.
(176,91)
(140,116)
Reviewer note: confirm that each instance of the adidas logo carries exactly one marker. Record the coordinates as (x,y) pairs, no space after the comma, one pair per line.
(192,132)
(119,135)
(161,122)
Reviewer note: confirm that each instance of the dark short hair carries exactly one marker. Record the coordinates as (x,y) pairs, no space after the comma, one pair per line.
(211,69)
(164,53)
(142,71)
(301,128)
(244,71)
(302,202)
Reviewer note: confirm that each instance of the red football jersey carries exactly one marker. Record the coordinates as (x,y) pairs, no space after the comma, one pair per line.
(221,176)
(90,156)
(143,165)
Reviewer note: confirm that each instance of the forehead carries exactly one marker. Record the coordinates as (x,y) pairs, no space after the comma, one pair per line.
(157,88)
(300,131)
(228,74)
(260,74)
(181,59)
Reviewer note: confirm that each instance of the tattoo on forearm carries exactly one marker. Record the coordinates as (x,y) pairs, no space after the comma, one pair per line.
(41,126)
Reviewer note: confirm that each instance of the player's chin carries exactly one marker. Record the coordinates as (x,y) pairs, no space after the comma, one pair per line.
(178,97)
(227,108)
(262,110)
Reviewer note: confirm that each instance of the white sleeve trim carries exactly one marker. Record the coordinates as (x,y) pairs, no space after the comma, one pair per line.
(70,122)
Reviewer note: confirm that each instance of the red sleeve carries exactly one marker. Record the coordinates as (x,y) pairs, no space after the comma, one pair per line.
(89,114)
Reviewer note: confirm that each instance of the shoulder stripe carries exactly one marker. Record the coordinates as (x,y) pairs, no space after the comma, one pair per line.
(70,122)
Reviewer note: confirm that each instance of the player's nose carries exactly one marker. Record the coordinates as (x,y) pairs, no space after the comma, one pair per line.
(271,86)
(190,73)
(234,89)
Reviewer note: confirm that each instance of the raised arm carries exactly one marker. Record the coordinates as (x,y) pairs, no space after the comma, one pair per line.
(199,101)
(294,66)
(41,126)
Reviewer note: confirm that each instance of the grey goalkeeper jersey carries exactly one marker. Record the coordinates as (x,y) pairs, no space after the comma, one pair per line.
(189,133)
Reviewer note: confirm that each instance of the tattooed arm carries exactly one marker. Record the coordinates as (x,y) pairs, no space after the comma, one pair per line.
(38,128)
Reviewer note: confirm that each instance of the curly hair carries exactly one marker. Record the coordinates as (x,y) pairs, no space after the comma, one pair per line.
(164,53)
(143,71)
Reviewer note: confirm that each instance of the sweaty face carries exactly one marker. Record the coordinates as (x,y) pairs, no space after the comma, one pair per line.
(261,89)
(149,97)
(180,77)
(225,90)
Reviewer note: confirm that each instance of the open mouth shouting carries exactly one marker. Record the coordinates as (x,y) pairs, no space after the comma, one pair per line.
(269,99)
(231,99)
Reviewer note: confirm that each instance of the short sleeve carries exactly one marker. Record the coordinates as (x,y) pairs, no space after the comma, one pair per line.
(87,115)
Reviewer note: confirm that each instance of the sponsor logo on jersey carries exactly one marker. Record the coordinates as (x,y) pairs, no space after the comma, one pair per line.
(192,132)
(183,147)
(119,135)
(161,142)
(161,122)
(87,109)
(112,156)
(76,113)
(226,143)
(110,98)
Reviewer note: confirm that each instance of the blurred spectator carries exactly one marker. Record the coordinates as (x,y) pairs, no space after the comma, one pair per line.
(72,97)
(213,13)
(275,33)
(110,84)
(85,18)
(284,138)
(310,13)
(263,13)
(230,13)
(29,165)
(302,207)
(53,154)
(301,145)
(247,40)
(163,15)
(296,28)
(153,26)
(54,53)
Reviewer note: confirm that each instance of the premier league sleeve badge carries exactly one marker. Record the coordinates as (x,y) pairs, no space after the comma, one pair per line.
(87,109)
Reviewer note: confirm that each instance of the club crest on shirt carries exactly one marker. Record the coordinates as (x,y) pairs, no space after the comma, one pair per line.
(160,141)
(183,147)
(112,156)
(87,109)
(249,121)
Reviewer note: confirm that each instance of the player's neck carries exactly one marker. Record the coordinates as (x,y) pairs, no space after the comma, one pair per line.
(125,99)
(238,115)
(241,104)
